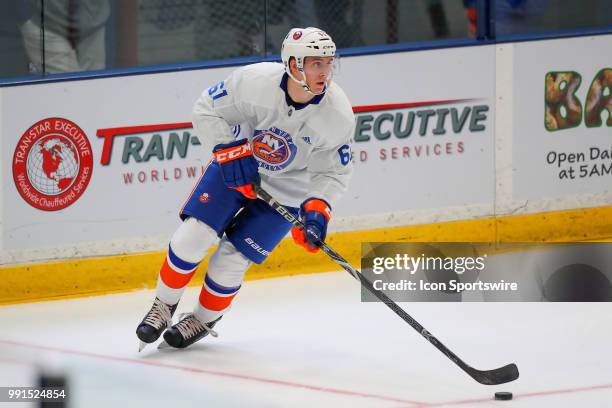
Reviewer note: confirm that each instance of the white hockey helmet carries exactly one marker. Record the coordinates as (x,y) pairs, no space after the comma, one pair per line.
(305,42)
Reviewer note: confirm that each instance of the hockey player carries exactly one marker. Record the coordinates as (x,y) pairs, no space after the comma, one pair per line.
(285,126)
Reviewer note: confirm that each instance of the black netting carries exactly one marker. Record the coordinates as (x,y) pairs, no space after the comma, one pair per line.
(168,15)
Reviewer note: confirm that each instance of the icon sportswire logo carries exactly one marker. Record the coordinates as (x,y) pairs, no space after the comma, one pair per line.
(52,164)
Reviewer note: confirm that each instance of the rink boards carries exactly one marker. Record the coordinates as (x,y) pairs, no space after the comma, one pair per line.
(485,143)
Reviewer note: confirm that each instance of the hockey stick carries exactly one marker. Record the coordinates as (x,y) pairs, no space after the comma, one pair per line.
(489,377)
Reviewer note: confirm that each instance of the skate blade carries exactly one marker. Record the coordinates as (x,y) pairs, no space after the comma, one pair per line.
(163,345)
(142,346)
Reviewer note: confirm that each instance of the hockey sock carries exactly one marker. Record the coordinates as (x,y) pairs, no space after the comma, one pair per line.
(174,277)
(226,270)
(214,300)
(187,248)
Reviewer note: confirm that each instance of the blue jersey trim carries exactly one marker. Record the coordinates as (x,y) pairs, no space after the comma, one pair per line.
(291,102)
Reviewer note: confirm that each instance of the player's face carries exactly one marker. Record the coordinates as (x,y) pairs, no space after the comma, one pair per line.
(318,71)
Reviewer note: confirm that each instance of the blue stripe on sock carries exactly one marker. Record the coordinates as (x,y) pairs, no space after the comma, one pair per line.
(179,263)
(220,289)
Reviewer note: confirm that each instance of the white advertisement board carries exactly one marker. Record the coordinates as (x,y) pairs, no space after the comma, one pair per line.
(112,159)
(424,135)
(66,181)
(562,138)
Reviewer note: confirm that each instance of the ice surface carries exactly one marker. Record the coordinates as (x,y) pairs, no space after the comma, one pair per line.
(308,341)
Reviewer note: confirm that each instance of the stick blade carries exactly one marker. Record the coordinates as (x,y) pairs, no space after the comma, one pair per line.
(497,376)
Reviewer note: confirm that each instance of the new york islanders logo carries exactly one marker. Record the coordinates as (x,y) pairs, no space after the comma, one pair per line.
(274,148)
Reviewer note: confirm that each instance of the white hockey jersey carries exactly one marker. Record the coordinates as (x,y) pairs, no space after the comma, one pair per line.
(303,150)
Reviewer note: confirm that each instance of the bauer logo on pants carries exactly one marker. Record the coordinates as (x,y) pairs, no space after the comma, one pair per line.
(52,164)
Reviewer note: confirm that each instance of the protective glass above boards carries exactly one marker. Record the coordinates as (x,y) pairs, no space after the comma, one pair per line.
(65,36)
(513,17)
(40,38)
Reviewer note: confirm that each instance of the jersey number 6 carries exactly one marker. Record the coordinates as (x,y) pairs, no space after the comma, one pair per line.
(215,91)
(345,154)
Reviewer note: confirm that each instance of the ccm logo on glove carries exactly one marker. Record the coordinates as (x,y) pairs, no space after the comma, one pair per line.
(238,166)
(233,153)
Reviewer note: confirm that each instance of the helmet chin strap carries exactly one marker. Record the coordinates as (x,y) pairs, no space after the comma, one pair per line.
(305,85)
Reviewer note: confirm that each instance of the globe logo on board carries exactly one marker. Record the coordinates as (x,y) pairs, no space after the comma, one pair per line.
(52,164)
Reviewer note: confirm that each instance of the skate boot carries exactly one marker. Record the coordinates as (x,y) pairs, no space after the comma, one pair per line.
(188,331)
(155,322)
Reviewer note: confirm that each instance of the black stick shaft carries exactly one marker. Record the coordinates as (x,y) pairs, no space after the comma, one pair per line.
(491,377)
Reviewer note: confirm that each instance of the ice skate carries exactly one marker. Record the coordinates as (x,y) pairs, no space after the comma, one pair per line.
(155,322)
(187,331)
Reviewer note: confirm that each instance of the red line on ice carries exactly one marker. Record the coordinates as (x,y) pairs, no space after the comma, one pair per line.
(217,373)
(517,396)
